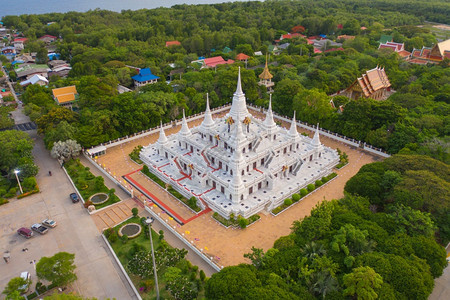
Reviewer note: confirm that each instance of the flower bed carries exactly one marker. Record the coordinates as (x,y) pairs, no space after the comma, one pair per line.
(131,230)
(153,177)
(134,155)
(236,222)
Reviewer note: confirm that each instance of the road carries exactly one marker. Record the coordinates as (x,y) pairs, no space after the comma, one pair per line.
(98,275)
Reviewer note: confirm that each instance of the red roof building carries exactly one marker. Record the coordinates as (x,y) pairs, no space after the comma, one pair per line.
(334,49)
(242,57)
(291,36)
(18,40)
(217,60)
(173,43)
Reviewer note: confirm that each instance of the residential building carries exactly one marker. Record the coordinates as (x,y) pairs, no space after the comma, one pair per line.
(28,70)
(173,43)
(144,77)
(19,43)
(35,79)
(48,39)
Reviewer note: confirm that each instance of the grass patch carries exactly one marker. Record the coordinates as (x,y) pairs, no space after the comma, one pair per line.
(153,177)
(126,251)
(87,184)
(192,202)
(134,155)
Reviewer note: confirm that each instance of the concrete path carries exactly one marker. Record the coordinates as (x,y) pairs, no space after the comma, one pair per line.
(114,214)
(441,289)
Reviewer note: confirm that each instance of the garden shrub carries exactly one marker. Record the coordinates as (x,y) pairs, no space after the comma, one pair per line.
(295,197)
(134,211)
(192,276)
(124,238)
(29,184)
(243,222)
(195,268)
(161,235)
(303,192)
(318,183)
(311,187)
(202,275)
(324,179)
(99,182)
(287,201)
(113,236)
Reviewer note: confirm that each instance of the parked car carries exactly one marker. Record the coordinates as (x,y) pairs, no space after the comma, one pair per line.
(74,197)
(25,232)
(27,277)
(39,228)
(49,223)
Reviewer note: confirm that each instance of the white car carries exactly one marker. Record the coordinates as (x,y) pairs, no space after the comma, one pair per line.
(39,228)
(27,277)
(49,223)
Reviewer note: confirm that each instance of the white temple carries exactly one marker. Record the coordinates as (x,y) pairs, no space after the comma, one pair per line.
(239,164)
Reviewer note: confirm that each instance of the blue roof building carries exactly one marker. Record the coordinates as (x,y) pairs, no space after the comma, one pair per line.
(144,77)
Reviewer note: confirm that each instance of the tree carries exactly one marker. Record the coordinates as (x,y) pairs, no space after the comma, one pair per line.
(362,282)
(14,287)
(256,256)
(322,283)
(411,221)
(65,150)
(134,211)
(58,269)
(234,282)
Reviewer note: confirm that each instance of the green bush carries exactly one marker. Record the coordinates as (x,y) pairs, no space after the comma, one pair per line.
(318,183)
(311,187)
(331,176)
(243,222)
(99,182)
(287,201)
(324,179)
(124,238)
(202,275)
(134,211)
(161,235)
(192,276)
(113,236)
(303,192)
(29,184)
(295,197)
(152,176)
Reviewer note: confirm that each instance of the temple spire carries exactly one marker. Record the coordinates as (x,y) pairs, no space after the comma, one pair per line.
(316,138)
(239,86)
(239,105)
(162,136)
(185,131)
(293,133)
(207,121)
(269,123)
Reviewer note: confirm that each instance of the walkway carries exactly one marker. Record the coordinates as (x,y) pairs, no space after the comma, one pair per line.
(114,214)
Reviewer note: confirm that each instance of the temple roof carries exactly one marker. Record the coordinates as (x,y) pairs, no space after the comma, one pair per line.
(372,81)
(239,105)
(265,73)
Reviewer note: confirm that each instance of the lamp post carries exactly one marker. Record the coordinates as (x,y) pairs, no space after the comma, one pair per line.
(149,222)
(18,181)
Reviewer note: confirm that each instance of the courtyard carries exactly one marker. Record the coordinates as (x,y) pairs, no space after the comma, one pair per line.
(226,246)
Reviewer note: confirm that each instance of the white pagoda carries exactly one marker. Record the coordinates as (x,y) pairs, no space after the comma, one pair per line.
(239,164)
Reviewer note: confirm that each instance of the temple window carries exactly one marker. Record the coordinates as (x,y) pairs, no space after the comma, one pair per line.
(262,161)
(242,172)
(243,150)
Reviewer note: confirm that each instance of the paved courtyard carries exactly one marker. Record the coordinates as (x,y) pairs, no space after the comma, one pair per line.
(98,275)
(227,246)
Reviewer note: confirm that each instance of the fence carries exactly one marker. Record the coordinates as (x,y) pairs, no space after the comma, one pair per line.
(336,136)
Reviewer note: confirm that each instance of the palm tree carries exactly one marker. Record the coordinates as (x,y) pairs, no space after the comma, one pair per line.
(312,250)
(322,283)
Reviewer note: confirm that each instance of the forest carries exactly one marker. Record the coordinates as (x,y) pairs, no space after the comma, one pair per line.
(384,238)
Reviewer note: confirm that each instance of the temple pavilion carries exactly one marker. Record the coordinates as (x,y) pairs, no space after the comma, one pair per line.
(238,163)
(266,78)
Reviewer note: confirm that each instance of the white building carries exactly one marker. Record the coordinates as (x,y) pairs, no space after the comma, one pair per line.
(239,164)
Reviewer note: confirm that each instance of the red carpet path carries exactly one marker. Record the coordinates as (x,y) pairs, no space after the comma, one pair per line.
(160,204)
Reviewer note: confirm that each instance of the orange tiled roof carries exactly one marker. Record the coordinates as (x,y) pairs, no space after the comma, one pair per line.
(242,56)
(173,43)
(65,94)
(404,53)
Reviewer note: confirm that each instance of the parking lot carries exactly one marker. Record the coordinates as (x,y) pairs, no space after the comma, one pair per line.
(98,276)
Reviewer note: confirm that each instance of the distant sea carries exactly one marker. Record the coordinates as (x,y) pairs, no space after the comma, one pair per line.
(21,7)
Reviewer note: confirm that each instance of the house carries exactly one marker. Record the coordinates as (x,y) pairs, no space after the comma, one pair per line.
(173,43)
(283,46)
(212,62)
(35,79)
(373,84)
(66,96)
(386,38)
(291,36)
(324,44)
(258,53)
(242,57)
(60,70)
(48,39)
(345,37)
(333,49)
(9,52)
(19,43)
(28,70)
(144,77)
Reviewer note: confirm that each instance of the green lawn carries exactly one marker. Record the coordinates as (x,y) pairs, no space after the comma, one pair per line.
(87,184)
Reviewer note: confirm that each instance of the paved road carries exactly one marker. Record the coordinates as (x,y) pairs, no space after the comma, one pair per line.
(98,275)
